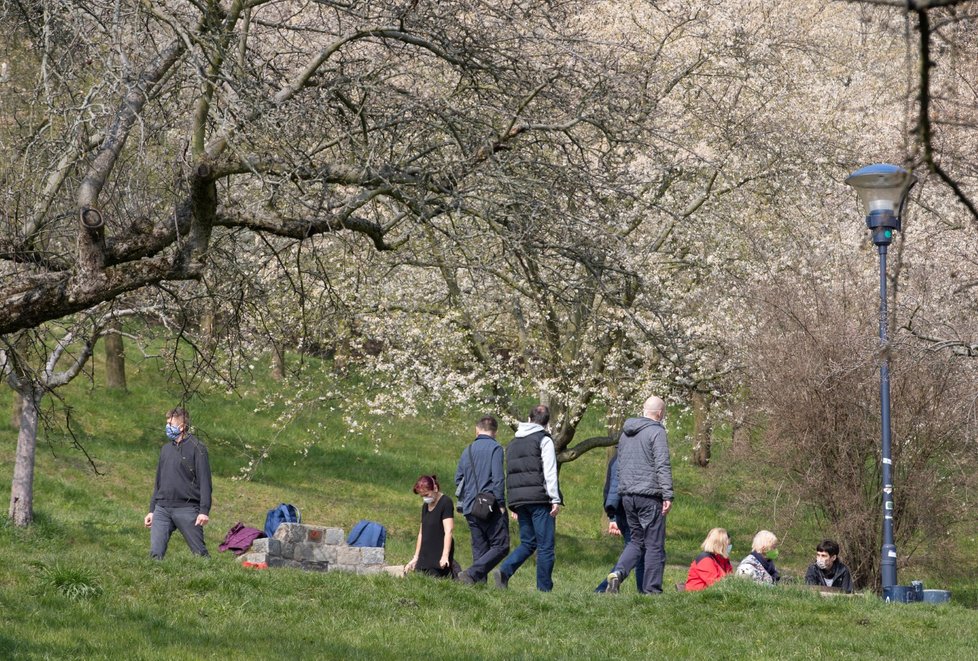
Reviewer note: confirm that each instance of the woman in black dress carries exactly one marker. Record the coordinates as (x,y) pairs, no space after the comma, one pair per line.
(434,553)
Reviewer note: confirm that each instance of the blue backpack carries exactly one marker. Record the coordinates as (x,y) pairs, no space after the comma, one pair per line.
(367,533)
(283,513)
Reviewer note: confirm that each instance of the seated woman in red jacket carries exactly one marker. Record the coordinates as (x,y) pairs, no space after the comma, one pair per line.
(711,565)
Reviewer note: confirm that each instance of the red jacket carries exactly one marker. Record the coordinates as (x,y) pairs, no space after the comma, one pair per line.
(706,570)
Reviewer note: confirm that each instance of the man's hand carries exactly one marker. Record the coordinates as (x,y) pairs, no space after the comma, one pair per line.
(202,520)
(443,563)
(148,521)
(613,529)
(666,506)
(411,564)
(555,510)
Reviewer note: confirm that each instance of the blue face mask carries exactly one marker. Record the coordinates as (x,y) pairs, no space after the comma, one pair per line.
(172,432)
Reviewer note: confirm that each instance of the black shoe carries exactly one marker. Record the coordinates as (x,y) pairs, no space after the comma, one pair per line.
(501,579)
(465,579)
(614,582)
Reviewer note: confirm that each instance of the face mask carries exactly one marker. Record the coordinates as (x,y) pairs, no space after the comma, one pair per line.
(428,499)
(821,563)
(729,549)
(772,554)
(172,432)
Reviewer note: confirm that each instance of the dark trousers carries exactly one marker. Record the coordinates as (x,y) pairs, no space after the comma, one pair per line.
(168,519)
(626,535)
(648,542)
(490,543)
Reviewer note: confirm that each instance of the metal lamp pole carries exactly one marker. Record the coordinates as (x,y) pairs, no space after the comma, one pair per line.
(883,190)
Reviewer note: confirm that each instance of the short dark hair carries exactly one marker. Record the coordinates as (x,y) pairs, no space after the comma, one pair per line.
(828,546)
(487,423)
(181,414)
(540,414)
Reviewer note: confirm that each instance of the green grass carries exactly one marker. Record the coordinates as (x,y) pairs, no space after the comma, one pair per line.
(79,584)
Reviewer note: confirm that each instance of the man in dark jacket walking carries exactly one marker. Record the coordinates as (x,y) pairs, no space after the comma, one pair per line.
(618,522)
(645,486)
(534,495)
(480,470)
(182,491)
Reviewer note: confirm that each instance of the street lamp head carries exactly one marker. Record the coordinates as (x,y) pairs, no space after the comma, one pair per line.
(882,189)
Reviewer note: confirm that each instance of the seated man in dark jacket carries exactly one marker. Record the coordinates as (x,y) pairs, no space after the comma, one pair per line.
(827,570)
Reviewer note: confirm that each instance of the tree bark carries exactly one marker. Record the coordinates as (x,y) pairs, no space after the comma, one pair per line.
(17,408)
(278,361)
(21,510)
(702,429)
(115,359)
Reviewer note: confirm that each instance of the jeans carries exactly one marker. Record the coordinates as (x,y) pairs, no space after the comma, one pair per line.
(626,534)
(648,527)
(168,519)
(537,530)
(490,543)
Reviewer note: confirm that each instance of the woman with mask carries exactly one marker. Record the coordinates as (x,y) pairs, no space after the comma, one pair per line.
(434,553)
(712,564)
(759,565)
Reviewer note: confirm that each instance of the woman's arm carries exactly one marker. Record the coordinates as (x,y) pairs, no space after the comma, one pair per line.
(449,526)
(417,551)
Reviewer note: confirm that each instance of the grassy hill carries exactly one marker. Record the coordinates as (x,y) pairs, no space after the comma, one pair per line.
(79,584)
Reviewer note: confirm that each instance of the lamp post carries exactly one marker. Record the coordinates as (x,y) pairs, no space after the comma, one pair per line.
(883,190)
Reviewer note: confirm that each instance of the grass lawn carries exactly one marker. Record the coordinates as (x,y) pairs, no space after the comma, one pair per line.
(79,584)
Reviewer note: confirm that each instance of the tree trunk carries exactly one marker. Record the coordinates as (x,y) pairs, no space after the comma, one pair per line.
(21,511)
(702,429)
(115,359)
(278,361)
(740,431)
(16,410)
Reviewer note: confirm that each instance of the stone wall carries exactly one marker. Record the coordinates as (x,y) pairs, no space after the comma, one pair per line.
(315,548)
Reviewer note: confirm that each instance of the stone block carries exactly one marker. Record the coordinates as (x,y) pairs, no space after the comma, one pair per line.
(316,566)
(288,550)
(290,532)
(334,536)
(349,568)
(253,557)
(331,554)
(315,535)
(395,570)
(372,555)
(265,545)
(311,552)
(349,555)
(370,569)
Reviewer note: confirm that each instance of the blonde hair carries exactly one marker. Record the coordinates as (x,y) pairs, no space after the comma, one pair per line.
(716,542)
(764,541)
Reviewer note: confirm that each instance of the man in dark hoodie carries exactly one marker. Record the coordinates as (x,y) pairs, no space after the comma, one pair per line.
(645,486)
(182,491)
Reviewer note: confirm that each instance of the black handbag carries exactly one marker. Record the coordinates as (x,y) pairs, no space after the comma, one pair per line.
(485,503)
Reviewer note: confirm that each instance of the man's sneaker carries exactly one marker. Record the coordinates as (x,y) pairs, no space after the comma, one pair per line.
(502,581)
(465,579)
(614,582)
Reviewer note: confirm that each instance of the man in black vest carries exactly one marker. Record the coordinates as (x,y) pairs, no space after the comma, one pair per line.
(533,494)
(645,486)
(480,470)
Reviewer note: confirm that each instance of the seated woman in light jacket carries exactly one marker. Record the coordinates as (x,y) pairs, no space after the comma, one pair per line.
(712,564)
(759,565)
